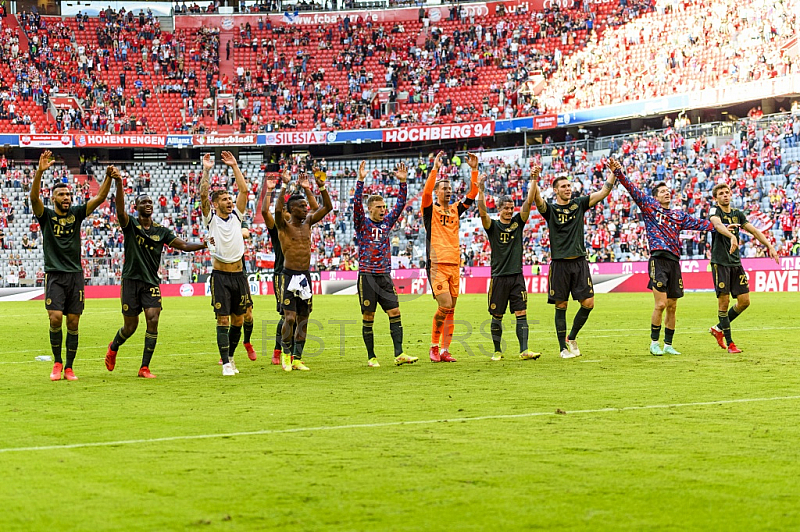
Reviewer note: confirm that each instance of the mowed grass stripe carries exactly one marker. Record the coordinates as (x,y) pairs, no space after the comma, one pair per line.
(394,424)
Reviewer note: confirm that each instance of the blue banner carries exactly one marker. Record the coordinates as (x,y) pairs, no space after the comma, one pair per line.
(179,141)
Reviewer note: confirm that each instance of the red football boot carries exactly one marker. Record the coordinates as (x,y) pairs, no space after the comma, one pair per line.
(251,353)
(70,375)
(719,335)
(445,356)
(434,354)
(111,359)
(144,372)
(276,357)
(55,375)
(733,349)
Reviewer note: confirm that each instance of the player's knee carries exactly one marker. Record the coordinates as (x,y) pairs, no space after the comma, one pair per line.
(237,321)
(368,316)
(152,323)
(672,305)
(743,303)
(661,305)
(392,313)
(72,322)
(56,320)
(223,321)
(497,317)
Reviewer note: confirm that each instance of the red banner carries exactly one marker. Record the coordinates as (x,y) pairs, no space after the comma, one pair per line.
(120,141)
(435,14)
(223,140)
(45,141)
(545,122)
(448,132)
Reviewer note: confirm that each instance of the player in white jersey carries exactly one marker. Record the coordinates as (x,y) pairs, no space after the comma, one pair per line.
(230,291)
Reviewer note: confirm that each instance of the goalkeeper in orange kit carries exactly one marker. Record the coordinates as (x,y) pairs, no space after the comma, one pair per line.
(443,251)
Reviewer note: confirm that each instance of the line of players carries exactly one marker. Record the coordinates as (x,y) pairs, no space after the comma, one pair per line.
(290,231)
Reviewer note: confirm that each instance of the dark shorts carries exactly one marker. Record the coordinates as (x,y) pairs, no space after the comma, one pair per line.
(665,276)
(569,276)
(291,302)
(276,287)
(729,280)
(230,293)
(375,289)
(137,295)
(64,292)
(507,291)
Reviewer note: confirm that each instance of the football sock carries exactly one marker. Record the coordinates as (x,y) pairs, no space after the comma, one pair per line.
(561,327)
(733,313)
(369,338)
(448,328)
(150,339)
(522,333)
(668,333)
(497,333)
(72,347)
(56,339)
(655,332)
(725,325)
(278,334)
(579,321)
(396,330)
(298,349)
(223,342)
(233,339)
(438,322)
(118,340)
(248,331)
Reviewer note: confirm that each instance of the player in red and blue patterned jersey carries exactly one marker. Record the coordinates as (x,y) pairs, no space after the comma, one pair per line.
(375,284)
(663,226)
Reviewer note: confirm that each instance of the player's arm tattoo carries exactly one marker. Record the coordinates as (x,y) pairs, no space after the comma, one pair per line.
(205,204)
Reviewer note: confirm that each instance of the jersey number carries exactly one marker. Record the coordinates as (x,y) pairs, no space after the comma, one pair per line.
(155,291)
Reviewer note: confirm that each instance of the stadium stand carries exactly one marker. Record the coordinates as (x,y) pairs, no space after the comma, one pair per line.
(759,157)
(134,77)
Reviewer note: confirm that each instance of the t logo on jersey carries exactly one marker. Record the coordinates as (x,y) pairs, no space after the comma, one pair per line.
(445,219)
(377,234)
(562,218)
(505,238)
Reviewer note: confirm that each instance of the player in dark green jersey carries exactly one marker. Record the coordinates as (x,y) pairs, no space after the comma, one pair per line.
(569,270)
(507,286)
(140,291)
(61,239)
(729,276)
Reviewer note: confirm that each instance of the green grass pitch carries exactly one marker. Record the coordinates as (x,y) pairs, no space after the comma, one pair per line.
(700,441)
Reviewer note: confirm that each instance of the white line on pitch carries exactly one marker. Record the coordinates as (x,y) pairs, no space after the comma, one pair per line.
(390,424)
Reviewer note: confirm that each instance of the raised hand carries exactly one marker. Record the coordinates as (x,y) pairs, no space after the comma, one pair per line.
(286,175)
(319,177)
(482,182)
(303,181)
(46,160)
(208,164)
(401,173)
(269,184)
(613,165)
(362,171)
(472,161)
(437,162)
(536,172)
(228,158)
